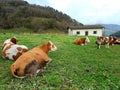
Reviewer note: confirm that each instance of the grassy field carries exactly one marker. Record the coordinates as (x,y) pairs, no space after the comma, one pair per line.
(73,67)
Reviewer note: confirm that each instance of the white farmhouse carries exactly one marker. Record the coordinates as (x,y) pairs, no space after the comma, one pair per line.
(86,30)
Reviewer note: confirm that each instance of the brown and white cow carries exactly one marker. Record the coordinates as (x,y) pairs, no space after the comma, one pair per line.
(117,42)
(107,41)
(11,50)
(33,61)
(81,41)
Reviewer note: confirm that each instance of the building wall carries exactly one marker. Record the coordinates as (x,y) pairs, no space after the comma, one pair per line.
(83,32)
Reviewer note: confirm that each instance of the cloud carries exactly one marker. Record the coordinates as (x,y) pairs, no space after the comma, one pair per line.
(61,5)
(86,11)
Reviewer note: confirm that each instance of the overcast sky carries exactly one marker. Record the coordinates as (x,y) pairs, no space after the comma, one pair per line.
(86,11)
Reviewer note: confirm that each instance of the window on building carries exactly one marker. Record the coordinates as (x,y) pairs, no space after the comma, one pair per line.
(78,32)
(86,33)
(94,32)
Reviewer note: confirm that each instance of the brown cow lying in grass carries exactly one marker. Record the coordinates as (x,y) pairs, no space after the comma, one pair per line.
(33,61)
(81,41)
(107,41)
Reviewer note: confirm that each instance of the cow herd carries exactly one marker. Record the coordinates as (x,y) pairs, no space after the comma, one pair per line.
(107,41)
(32,62)
(101,40)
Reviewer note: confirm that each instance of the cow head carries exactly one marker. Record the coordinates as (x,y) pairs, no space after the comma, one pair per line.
(10,41)
(51,46)
(87,40)
(14,40)
(48,47)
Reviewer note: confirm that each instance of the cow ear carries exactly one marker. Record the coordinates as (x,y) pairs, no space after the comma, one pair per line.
(14,40)
(49,41)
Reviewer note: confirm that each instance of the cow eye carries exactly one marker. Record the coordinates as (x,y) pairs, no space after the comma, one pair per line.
(52,46)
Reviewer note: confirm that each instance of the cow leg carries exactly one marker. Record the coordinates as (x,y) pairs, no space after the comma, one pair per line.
(107,45)
(82,44)
(40,72)
(98,46)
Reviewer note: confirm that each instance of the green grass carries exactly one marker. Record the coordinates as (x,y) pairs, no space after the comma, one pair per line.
(72,66)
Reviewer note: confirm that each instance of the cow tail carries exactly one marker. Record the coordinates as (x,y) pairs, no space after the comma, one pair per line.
(14,72)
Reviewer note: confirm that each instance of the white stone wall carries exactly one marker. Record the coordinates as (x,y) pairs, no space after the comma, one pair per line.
(82,32)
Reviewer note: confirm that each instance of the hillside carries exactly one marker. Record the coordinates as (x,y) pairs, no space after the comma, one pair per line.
(19,13)
(111,28)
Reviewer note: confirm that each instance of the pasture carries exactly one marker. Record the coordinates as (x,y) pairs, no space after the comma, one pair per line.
(73,67)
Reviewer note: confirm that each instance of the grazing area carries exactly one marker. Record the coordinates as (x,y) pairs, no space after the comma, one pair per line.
(73,67)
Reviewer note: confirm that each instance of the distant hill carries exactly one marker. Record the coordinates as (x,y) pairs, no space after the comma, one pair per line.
(19,13)
(117,34)
(111,28)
